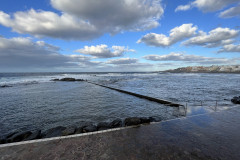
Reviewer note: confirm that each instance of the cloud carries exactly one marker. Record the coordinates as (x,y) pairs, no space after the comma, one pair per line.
(216,37)
(183,8)
(116,17)
(122,61)
(180,57)
(49,24)
(231,12)
(207,5)
(230,48)
(176,34)
(102,51)
(86,19)
(20,52)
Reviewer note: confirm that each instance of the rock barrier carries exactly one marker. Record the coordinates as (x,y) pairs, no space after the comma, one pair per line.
(83,128)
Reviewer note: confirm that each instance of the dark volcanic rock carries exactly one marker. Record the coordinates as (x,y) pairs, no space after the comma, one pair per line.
(34,135)
(2,140)
(10,134)
(79,130)
(5,86)
(80,80)
(132,121)
(236,100)
(155,119)
(84,124)
(103,126)
(55,79)
(53,132)
(91,128)
(68,79)
(145,120)
(19,136)
(69,131)
(116,123)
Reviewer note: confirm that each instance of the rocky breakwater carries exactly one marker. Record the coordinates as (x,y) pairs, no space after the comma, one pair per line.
(236,100)
(5,86)
(84,127)
(67,79)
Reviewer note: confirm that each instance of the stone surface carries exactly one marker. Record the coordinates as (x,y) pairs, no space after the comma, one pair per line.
(103,126)
(116,123)
(236,100)
(155,119)
(132,121)
(79,130)
(19,136)
(90,128)
(145,120)
(2,140)
(5,86)
(68,79)
(53,132)
(35,135)
(206,137)
(69,131)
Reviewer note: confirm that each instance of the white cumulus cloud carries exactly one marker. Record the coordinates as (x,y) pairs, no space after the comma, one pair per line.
(103,51)
(183,8)
(212,5)
(181,57)
(207,5)
(122,61)
(20,52)
(216,37)
(231,12)
(49,24)
(230,48)
(86,19)
(176,34)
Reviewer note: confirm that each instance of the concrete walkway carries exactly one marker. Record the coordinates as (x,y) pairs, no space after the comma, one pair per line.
(210,136)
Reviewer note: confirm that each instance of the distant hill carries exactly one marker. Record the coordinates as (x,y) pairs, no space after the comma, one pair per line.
(211,69)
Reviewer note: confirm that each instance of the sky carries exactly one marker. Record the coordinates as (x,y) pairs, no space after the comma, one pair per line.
(117,35)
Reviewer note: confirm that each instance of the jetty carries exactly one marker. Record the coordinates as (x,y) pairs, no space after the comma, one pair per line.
(161,101)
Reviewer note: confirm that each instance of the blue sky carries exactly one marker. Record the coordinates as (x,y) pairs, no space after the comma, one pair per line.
(121,35)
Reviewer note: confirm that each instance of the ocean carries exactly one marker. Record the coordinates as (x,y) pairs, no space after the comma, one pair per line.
(31,101)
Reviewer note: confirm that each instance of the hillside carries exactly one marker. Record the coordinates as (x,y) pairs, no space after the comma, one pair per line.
(210,69)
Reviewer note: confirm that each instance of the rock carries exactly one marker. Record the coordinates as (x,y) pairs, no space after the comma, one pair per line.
(5,86)
(69,131)
(79,130)
(103,126)
(53,132)
(34,135)
(91,128)
(83,124)
(116,123)
(132,121)
(2,140)
(80,80)
(19,136)
(145,120)
(68,79)
(56,79)
(155,119)
(10,134)
(236,100)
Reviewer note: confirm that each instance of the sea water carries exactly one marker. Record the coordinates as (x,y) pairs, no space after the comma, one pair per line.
(32,101)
